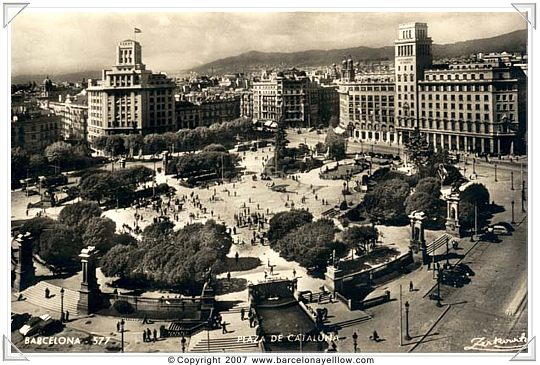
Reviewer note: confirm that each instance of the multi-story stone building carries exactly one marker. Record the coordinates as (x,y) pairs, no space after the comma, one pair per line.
(73,113)
(292,94)
(130,98)
(206,111)
(367,107)
(246,103)
(473,107)
(34,129)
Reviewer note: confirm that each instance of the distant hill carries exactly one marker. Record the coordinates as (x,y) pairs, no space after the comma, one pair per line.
(69,77)
(255,60)
(511,42)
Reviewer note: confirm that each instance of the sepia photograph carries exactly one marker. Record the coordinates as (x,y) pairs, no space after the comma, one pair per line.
(257,181)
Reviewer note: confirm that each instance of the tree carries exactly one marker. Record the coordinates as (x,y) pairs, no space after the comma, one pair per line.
(280,142)
(283,222)
(423,202)
(215,148)
(311,245)
(360,238)
(116,262)
(418,149)
(386,202)
(473,195)
(155,143)
(19,162)
(133,143)
(37,165)
(59,153)
(430,186)
(78,215)
(178,259)
(36,226)
(336,144)
(115,145)
(100,142)
(99,232)
(158,229)
(60,246)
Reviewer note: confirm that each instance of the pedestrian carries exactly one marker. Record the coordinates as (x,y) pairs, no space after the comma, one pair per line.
(47,293)
(144,335)
(265,275)
(236,257)
(155,335)
(67,316)
(117,326)
(271,270)
(224,327)
(148,334)
(242,313)
(294,273)
(411,286)
(375,336)
(229,276)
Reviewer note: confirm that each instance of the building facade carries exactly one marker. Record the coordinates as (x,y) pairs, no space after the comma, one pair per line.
(207,111)
(474,107)
(292,95)
(73,113)
(34,129)
(129,98)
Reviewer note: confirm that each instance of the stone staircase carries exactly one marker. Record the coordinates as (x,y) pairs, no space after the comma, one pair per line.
(351,322)
(227,343)
(36,295)
(241,338)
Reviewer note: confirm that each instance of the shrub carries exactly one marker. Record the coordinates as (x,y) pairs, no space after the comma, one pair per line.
(123,307)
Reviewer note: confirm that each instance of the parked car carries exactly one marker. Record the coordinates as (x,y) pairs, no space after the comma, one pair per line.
(506,225)
(42,325)
(463,270)
(18,320)
(500,229)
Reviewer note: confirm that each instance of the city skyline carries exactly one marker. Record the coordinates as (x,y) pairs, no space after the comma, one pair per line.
(88,38)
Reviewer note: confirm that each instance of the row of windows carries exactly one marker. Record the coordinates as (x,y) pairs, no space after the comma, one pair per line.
(371,98)
(453,106)
(470,76)
(405,78)
(460,97)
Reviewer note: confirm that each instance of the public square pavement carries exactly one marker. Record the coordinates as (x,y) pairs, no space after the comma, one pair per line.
(425,318)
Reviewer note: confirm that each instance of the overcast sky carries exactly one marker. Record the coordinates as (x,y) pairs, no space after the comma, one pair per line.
(51,43)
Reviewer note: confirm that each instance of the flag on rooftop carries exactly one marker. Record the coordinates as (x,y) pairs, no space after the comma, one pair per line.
(137,30)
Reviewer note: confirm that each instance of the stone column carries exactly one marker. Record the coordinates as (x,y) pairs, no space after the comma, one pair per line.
(482,145)
(25,273)
(491,145)
(89,294)
(452,215)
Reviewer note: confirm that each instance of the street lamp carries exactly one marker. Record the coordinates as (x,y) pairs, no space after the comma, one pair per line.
(512,179)
(439,277)
(62,305)
(513,217)
(183,341)
(407,336)
(495,165)
(355,341)
(474,165)
(122,332)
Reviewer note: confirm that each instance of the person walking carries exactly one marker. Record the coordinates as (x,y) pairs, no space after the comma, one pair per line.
(144,336)
(411,286)
(155,335)
(117,326)
(242,313)
(224,327)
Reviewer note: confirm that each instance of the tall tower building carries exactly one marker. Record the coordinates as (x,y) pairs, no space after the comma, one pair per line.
(129,98)
(412,57)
